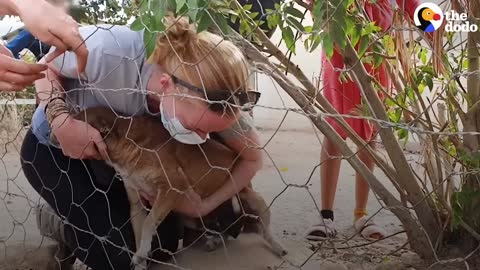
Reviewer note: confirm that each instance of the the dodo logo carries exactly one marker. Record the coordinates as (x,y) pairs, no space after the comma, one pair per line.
(428,17)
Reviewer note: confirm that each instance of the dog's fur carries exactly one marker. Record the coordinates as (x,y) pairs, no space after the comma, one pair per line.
(148,158)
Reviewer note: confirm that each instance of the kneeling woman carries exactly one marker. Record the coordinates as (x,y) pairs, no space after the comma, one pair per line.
(91,209)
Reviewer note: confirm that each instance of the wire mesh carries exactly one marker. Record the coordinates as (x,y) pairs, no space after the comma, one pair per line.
(289,182)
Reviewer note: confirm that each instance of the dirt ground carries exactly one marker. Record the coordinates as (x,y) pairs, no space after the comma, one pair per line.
(289,181)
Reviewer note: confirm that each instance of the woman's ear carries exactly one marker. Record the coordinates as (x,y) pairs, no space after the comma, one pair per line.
(166,83)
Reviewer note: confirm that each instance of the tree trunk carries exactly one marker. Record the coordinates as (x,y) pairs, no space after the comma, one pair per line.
(471,213)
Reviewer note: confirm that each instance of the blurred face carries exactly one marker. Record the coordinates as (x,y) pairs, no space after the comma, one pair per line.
(193,113)
(195,116)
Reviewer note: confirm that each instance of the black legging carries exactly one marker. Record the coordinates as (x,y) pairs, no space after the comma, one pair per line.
(94,202)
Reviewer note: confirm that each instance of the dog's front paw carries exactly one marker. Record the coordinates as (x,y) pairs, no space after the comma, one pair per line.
(278,249)
(139,262)
(213,242)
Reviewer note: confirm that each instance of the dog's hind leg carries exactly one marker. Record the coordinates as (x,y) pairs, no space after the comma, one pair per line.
(164,203)
(256,205)
(277,248)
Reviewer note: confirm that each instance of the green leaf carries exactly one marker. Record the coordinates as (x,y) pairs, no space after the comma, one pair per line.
(364,42)
(339,37)
(410,93)
(423,56)
(247,7)
(308,29)
(377,59)
(222,23)
(389,102)
(253,15)
(316,40)
(245,28)
(149,39)
(402,134)
(137,25)
(421,88)
(144,5)
(233,18)
(180,4)
(349,26)
(158,23)
(295,23)
(205,22)
(294,12)
(328,46)
(192,9)
(397,115)
(356,34)
(429,81)
(273,20)
(288,37)
(318,11)
(305,43)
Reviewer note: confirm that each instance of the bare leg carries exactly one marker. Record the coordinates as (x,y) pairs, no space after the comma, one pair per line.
(362,189)
(329,171)
(361,186)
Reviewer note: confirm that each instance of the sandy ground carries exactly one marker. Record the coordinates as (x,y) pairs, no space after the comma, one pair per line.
(289,182)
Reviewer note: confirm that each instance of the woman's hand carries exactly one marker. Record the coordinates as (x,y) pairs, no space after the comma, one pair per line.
(192,205)
(16,74)
(78,139)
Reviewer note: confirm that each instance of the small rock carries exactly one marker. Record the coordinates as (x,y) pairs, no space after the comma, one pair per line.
(333,266)
(354,266)
(392,265)
(410,259)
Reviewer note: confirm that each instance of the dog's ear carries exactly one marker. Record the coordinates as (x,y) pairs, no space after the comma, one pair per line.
(104,125)
(104,130)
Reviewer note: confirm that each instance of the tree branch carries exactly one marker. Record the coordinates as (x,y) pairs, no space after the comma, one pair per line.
(415,194)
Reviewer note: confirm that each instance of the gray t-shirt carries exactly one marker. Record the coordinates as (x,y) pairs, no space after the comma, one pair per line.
(116,76)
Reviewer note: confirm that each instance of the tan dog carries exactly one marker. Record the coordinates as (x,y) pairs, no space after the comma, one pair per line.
(148,158)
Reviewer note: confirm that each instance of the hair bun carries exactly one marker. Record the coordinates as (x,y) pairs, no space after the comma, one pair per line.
(179,33)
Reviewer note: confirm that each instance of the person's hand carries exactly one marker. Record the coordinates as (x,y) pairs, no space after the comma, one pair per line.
(16,74)
(53,26)
(192,205)
(78,139)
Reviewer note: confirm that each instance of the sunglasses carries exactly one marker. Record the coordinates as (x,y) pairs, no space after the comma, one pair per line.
(220,98)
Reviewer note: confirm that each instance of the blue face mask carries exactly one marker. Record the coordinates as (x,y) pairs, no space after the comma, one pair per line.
(178,131)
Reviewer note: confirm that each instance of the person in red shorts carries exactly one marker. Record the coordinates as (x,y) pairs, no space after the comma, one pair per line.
(346,99)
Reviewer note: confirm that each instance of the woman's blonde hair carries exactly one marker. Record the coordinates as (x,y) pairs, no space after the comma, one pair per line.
(204,60)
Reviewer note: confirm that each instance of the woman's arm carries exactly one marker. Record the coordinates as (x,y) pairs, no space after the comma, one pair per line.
(249,163)
(77,139)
